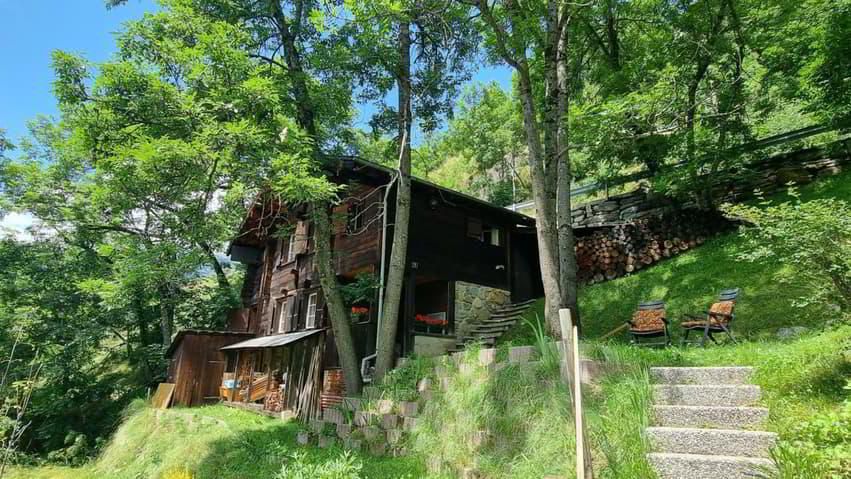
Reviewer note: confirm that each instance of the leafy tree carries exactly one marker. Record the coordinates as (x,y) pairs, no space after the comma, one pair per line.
(523,35)
(384,34)
(812,237)
(487,130)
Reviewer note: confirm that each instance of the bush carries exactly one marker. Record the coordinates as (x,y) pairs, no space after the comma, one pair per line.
(297,466)
(827,437)
(813,238)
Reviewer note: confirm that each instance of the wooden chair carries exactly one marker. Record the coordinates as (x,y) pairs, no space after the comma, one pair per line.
(648,324)
(717,319)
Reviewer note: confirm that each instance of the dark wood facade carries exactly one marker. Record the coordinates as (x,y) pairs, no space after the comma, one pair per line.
(452,237)
(196,364)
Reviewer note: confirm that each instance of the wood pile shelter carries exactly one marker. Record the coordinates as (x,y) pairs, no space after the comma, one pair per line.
(196,364)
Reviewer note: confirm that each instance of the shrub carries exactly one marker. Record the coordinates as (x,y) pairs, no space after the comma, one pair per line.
(814,238)
(827,438)
(344,466)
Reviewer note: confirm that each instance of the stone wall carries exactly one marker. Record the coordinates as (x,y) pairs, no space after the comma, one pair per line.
(765,176)
(474,303)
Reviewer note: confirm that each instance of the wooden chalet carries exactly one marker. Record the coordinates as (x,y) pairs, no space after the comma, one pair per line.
(465,258)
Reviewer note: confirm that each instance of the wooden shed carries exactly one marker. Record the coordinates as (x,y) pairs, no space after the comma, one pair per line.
(197,364)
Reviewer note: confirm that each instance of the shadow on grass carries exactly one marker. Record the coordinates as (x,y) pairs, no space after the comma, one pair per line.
(262,451)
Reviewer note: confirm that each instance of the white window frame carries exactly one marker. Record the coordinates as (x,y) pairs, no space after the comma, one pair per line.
(310,320)
(291,249)
(282,316)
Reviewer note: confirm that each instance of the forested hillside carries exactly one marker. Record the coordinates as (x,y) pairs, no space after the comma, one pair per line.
(140,182)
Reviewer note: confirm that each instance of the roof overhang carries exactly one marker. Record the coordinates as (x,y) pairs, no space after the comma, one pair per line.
(178,338)
(264,212)
(275,341)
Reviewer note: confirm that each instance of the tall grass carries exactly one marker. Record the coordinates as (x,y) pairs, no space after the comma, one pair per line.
(514,422)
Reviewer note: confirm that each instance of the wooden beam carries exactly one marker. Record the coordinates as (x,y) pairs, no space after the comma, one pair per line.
(570,335)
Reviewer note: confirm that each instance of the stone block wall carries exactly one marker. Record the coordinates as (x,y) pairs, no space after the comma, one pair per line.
(475,303)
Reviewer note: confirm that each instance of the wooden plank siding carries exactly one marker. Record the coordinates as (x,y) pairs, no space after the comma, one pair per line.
(197,365)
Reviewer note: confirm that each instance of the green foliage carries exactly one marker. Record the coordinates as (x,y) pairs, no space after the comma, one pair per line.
(825,439)
(218,441)
(510,422)
(813,238)
(345,466)
(362,290)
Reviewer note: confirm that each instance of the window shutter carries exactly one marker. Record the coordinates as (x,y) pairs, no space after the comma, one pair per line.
(276,314)
(474,228)
(320,310)
(301,237)
(292,312)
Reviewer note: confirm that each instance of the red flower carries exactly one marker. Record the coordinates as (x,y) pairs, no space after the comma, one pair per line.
(430,320)
(360,310)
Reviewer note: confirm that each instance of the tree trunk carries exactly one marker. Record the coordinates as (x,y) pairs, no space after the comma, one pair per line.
(336,309)
(544,205)
(399,251)
(221,277)
(566,239)
(337,315)
(166,313)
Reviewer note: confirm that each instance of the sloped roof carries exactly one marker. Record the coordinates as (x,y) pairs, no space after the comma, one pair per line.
(275,341)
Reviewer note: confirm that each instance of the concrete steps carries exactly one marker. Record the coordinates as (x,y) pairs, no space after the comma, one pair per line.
(695,466)
(738,417)
(705,421)
(722,375)
(726,442)
(490,329)
(707,395)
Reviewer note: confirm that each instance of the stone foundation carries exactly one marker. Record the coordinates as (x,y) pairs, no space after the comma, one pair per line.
(475,303)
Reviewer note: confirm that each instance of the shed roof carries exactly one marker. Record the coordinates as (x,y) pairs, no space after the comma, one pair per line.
(275,341)
(201,332)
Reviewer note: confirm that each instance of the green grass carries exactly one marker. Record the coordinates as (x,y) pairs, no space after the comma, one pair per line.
(526,410)
(212,442)
(690,282)
(803,383)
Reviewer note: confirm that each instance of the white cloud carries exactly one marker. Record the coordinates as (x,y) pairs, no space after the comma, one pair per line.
(17,225)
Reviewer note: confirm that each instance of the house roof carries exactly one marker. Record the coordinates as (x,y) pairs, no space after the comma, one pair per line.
(275,341)
(200,332)
(259,217)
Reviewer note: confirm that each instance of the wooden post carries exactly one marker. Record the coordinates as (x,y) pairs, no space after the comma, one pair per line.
(570,338)
(235,378)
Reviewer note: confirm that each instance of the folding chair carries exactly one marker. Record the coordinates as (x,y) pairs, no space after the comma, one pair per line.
(717,320)
(649,324)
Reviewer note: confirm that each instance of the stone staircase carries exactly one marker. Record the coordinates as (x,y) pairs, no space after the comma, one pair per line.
(706,424)
(489,330)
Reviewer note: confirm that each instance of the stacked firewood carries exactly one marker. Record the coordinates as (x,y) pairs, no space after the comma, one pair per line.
(607,252)
(274,398)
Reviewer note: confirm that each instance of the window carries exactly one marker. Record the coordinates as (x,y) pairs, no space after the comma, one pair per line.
(486,233)
(283,317)
(311,310)
(431,305)
(291,252)
(491,235)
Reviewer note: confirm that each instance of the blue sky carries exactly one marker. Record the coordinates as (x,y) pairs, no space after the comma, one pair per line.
(32,29)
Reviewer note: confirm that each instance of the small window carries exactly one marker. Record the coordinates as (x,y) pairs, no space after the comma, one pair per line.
(491,235)
(283,318)
(291,252)
(354,222)
(311,310)
(486,233)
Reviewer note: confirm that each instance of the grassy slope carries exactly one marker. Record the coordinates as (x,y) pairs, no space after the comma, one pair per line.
(691,281)
(210,442)
(801,379)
